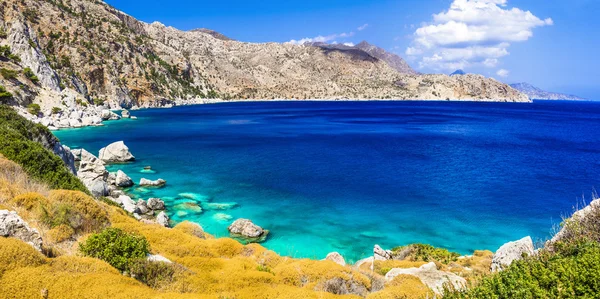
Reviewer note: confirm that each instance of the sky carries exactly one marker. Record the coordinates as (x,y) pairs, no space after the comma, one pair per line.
(552,44)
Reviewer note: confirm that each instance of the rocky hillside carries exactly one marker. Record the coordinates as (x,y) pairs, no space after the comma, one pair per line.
(67,53)
(394,61)
(538,94)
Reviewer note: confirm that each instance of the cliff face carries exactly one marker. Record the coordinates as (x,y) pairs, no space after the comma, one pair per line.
(90,49)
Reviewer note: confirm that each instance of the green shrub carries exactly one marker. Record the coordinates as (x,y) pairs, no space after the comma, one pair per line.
(426,253)
(116,247)
(25,142)
(56,110)
(570,272)
(30,75)
(8,74)
(34,109)
(3,33)
(98,102)
(4,95)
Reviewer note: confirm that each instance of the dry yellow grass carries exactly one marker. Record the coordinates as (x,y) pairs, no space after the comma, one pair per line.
(14,181)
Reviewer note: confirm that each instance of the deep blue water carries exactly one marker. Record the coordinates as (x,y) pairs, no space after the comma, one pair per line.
(343,176)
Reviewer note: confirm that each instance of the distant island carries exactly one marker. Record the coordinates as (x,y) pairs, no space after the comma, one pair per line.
(536,93)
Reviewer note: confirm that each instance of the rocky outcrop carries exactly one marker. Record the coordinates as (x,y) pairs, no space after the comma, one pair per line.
(13,226)
(156,204)
(510,252)
(336,258)
(125,114)
(93,174)
(150,183)
(582,216)
(123,180)
(158,259)
(431,277)
(381,255)
(116,152)
(162,219)
(247,229)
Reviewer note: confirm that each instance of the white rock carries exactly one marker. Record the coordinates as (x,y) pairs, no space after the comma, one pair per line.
(116,152)
(122,180)
(127,203)
(11,225)
(510,252)
(156,183)
(158,258)
(125,114)
(381,255)
(246,228)
(162,219)
(336,258)
(430,276)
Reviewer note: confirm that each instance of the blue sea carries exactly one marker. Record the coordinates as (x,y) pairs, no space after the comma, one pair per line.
(344,176)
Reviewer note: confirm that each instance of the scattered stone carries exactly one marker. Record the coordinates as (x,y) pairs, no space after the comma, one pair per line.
(510,252)
(381,255)
(158,258)
(11,225)
(246,228)
(122,180)
(336,258)
(116,152)
(430,276)
(162,219)
(156,183)
(156,204)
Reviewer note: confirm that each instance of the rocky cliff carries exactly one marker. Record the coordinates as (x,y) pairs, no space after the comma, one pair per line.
(75,53)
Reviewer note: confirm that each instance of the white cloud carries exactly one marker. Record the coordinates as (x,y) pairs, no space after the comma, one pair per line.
(472,33)
(502,73)
(321,39)
(349,44)
(363,27)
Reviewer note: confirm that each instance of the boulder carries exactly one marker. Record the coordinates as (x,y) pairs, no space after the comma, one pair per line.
(381,255)
(141,208)
(116,152)
(11,225)
(125,114)
(158,259)
(430,276)
(105,114)
(156,204)
(122,180)
(510,252)
(246,228)
(93,174)
(162,219)
(156,183)
(336,258)
(127,203)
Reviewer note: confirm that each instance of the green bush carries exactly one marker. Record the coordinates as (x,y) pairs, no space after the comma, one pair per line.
(570,272)
(30,75)
(4,95)
(98,102)
(8,74)
(116,247)
(426,253)
(25,142)
(56,110)
(34,109)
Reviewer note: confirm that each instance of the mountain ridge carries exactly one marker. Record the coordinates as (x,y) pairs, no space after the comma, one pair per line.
(539,94)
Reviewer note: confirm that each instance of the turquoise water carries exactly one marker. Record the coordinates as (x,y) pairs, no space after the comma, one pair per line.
(343,176)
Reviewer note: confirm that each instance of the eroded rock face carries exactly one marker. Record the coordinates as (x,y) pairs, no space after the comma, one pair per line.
(116,152)
(11,225)
(123,180)
(510,252)
(430,276)
(93,174)
(336,258)
(381,255)
(246,228)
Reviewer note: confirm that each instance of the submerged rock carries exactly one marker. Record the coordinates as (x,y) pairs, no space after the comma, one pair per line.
(123,180)
(11,225)
(430,276)
(156,183)
(510,252)
(336,258)
(246,229)
(116,152)
(222,217)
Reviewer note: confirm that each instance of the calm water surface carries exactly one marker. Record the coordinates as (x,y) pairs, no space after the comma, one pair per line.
(343,176)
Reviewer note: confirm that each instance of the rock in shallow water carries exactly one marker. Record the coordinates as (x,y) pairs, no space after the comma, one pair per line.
(116,152)
(247,229)
(156,204)
(123,180)
(156,183)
